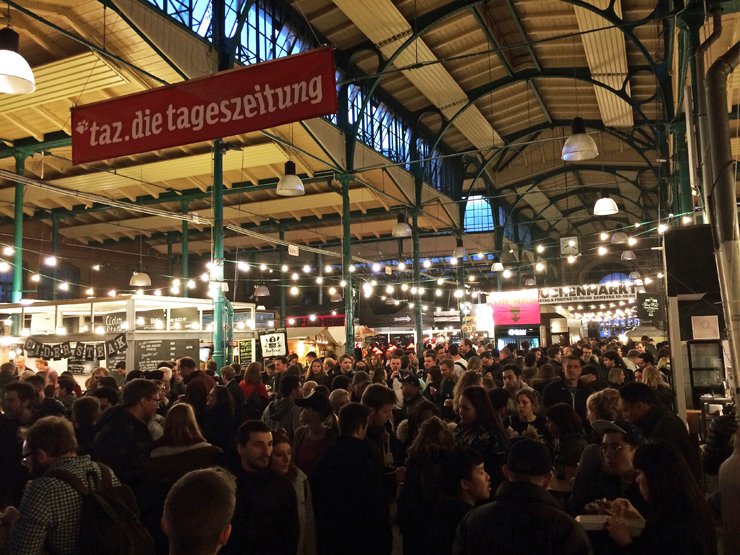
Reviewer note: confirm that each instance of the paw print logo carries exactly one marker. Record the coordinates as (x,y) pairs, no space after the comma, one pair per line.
(82,126)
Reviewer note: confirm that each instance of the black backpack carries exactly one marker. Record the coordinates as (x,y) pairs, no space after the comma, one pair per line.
(254,406)
(110,516)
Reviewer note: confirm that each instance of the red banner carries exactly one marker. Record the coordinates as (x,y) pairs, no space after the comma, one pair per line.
(516,314)
(238,101)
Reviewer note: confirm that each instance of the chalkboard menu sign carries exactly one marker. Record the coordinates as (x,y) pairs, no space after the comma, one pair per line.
(151,352)
(246,352)
(151,319)
(81,367)
(114,322)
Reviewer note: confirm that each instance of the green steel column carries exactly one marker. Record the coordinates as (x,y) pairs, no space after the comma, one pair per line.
(461,287)
(283,306)
(55,254)
(169,257)
(184,255)
(20,167)
(217,273)
(417,282)
(349,318)
(684,201)
(229,331)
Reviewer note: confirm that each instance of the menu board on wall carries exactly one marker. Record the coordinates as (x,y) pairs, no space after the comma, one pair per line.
(149,353)
(184,318)
(246,352)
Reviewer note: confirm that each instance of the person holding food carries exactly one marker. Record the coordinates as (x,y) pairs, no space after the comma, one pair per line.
(619,480)
(678,520)
(527,422)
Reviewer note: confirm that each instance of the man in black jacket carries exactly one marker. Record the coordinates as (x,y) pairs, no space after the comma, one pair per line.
(350,506)
(523,518)
(266,514)
(122,439)
(569,390)
(657,423)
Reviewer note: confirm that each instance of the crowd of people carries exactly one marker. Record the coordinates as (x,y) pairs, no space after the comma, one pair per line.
(458,446)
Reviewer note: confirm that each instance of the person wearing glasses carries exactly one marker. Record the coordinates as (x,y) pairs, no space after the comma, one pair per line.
(123,438)
(619,480)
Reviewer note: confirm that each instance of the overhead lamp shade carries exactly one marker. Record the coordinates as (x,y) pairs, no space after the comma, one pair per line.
(635,275)
(401,229)
(605,206)
(16,76)
(459,251)
(580,145)
(497,267)
(140,279)
(530,282)
(335,298)
(290,185)
(628,255)
(619,238)
(261,291)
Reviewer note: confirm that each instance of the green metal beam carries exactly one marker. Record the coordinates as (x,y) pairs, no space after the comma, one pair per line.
(217,272)
(30,146)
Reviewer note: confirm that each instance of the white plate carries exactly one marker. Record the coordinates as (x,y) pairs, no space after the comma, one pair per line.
(593,523)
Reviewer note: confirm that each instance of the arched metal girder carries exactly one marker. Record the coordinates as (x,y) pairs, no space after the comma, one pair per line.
(554,172)
(638,146)
(420,25)
(525,75)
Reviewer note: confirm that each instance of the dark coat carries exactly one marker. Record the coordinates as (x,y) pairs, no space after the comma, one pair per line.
(557,392)
(719,444)
(237,394)
(440,537)
(489,444)
(660,424)
(523,519)
(217,425)
(351,509)
(421,489)
(121,442)
(266,516)
(446,391)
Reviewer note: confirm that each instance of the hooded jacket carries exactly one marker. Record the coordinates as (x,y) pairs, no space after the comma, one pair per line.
(283,414)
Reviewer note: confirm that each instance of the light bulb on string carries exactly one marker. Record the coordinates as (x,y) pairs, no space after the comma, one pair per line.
(427,263)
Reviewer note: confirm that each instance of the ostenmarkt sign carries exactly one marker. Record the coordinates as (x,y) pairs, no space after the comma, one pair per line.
(229,103)
(585,294)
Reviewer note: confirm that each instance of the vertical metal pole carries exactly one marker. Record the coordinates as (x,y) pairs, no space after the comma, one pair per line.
(169,257)
(20,167)
(349,319)
(417,283)
(320,273)
(283,304)
(55,254)
(184,255)
(217,273)
(229,330)
(461,287)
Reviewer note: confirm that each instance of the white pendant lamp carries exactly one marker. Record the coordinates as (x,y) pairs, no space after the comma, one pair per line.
(619,237)
(634,274)
(605,206)
(140,279)
(336,298)
(530,282)
(459,251)
(16,76)
(580,145)
(402,228)
(290,185)
(261,291)
(628,255)
(497,267)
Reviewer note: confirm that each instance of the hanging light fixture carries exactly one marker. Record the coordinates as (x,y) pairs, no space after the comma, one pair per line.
(530,282)
(628,255)
(605,206)
(635,275)
(459,251)
(497,267)
(580,145)
(16,76)
(336,297)
(402,228)
(261,291)
(140,278)
(619,237)
(290,185)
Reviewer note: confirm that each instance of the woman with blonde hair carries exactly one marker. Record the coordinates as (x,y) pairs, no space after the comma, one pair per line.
(181,449)
(468,379)
(602,405)
(316,373)
(653,378)
(475,365)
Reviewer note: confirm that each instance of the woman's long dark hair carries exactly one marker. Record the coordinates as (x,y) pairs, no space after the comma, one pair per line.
(673,492)
(485,415)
